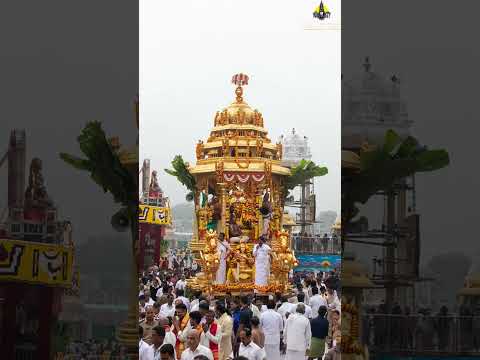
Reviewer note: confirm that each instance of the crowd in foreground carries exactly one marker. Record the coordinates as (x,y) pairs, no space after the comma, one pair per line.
(177,325)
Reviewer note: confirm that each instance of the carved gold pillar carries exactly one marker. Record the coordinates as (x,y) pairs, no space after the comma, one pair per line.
(259,199)
(223,220)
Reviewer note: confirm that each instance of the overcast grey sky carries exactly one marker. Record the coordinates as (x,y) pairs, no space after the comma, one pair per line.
(62,66)
(189,51)
(437,62)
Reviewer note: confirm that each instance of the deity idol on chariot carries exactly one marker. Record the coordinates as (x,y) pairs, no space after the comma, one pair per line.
(238,185)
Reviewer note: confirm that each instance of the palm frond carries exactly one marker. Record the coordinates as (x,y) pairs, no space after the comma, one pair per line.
(303,171)
(104,165)
(180,171)
(384,166)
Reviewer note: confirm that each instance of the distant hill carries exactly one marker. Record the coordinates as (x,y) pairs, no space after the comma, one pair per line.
(182,215)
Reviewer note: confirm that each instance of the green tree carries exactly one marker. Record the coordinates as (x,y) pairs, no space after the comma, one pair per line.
(305,170)
(105,168)
(180,171)
(382,167)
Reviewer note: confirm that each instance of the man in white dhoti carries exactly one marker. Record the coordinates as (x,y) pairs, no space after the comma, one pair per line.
(223,250)
(297,334)
(272,326)
(262,254)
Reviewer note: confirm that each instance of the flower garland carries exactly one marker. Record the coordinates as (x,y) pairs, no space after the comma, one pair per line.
(350,343)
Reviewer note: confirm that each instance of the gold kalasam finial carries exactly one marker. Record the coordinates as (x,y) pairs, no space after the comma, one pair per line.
(239,80)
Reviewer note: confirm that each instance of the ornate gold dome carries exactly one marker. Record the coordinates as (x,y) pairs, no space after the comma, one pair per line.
(239,137)
(241,117)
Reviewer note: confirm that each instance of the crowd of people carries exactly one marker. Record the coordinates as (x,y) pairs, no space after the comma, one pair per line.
(177,324)
(317,244)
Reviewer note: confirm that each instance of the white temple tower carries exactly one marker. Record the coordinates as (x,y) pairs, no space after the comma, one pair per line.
(296,148)
(371,105)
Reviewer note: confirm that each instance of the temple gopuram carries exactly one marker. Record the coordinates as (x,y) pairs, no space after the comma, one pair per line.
(238,236)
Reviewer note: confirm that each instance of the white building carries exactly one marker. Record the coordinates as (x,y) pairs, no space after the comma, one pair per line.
(371,105)
(295,148)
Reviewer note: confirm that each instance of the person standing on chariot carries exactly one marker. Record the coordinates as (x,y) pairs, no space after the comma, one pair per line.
(266,211)
(262,254)
(223,251)
(214,204)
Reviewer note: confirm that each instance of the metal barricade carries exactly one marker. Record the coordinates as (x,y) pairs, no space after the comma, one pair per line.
(423,334)
(315,245)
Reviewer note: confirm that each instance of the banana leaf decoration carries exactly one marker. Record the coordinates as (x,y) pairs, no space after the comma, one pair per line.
(385,165)
(106,169)
(180,171)
(305,170)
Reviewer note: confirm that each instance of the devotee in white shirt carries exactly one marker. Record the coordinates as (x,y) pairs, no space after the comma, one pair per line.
(308,309)
(212,332)
(255,310)
(271,323)
(161,337)
(333,301)
(297,334)
(181,283)
(145,352)
(182,298)
(168,309)
(194,348)
(316,301)
(148,300)
(285,308)
(262,253)
(248,348)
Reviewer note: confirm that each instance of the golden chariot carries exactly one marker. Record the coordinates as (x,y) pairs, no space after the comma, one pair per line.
(239,188)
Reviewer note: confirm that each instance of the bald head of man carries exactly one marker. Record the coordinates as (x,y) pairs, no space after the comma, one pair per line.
(149,314)
(193,339)
(163,321)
